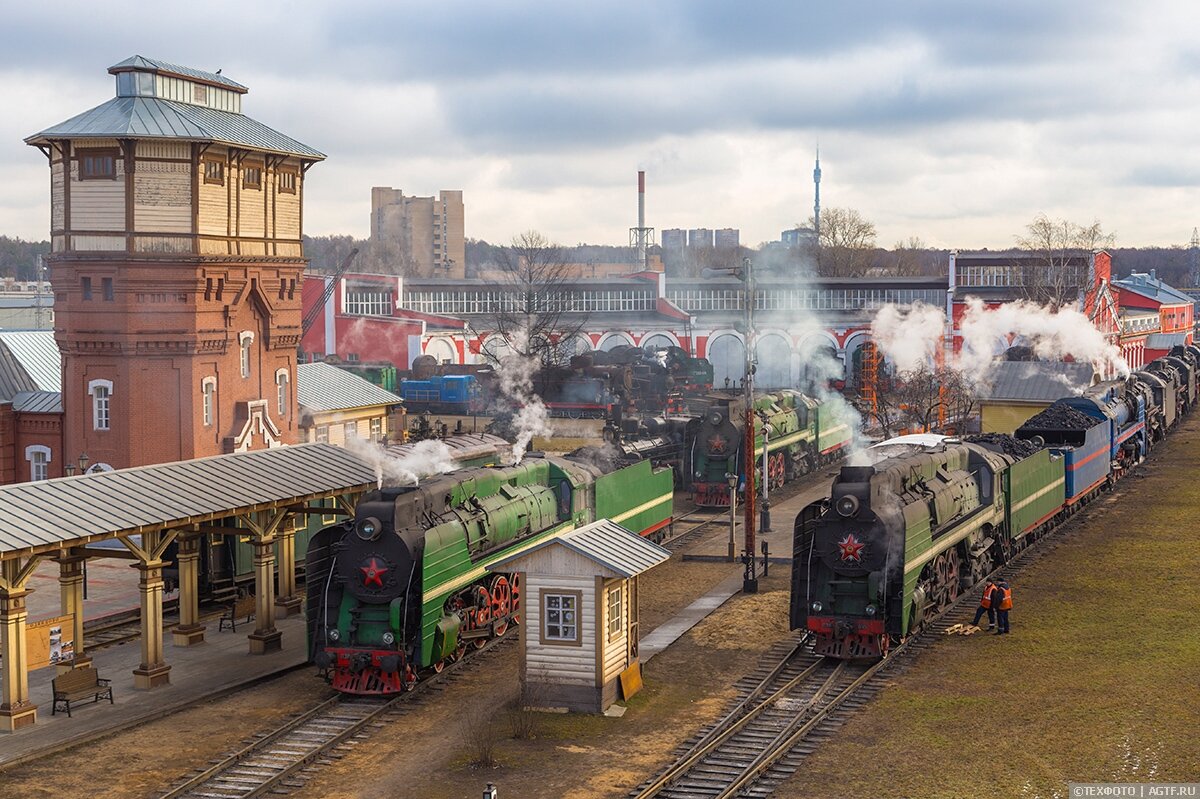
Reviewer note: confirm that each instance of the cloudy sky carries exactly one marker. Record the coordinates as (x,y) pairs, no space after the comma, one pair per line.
(953,121)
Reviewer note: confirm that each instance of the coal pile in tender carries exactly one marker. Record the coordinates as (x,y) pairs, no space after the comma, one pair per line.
(1001,442)
(1060,417)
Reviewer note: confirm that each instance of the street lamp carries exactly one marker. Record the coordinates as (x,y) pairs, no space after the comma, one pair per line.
(83,462)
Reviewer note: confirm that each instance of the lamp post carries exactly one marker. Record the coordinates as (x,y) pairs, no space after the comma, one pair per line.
(733,481)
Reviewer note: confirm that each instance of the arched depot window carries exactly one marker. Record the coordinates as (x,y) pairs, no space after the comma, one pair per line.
(208,391)
(281,386)
(39,461)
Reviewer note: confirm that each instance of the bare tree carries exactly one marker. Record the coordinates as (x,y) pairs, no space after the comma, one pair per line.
(1053,267)
(927,399)
(845,243)
(534,308)
(907,256)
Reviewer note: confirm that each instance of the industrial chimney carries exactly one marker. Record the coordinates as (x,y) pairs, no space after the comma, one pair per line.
(641,237)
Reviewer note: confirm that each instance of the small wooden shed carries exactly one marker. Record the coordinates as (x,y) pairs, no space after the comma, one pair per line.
(579,605)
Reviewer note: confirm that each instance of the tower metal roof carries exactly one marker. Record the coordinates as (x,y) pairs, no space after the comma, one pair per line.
(603,542)
(142,64)
(154,118)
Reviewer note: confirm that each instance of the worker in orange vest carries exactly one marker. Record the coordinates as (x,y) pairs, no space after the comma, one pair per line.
(986,606)
(1003,596)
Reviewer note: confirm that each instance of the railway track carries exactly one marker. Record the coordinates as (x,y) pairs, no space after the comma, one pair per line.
(278,760)
(795,700)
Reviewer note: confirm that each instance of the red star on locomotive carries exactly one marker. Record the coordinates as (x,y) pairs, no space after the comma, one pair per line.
(851,548)
(372,573)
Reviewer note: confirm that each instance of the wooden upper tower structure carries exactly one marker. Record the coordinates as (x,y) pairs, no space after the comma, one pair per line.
(176,260)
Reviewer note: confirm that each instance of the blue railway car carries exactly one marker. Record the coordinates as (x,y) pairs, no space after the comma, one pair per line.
(440,394)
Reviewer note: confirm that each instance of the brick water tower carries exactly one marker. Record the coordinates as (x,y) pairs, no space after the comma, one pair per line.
(176,260)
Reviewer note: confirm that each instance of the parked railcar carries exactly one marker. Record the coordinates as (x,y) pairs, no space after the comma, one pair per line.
(405,586)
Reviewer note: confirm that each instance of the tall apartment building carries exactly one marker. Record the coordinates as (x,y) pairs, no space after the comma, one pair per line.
(727,238)
(176,261)
(427,231)
(673,239)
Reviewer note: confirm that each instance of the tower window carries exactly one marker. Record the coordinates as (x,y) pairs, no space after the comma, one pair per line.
(199,94)
(252,177)
(106,284)
(97,164)
(214,172)
(85,285)
(101,391)
(245,340)
(281,384)
(209,394)
(287,182)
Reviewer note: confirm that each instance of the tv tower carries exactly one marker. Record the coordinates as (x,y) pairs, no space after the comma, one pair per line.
(817,196)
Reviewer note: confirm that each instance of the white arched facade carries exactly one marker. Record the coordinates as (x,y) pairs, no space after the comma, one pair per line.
(659,341)
(443,349)
(818,361)
(773,353)
(727,354)
(611,341)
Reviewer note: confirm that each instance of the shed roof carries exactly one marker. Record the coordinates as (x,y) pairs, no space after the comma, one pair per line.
(325,387)
(1165,341)
(1150,287)
(1035,381)
(154,118)
(29,361)
(49,514)
(38,402)
(603,542)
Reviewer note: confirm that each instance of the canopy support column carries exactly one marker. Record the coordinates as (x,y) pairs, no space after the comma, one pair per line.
(17,710)
(153,670)
(189,631)
(265,637)
(287,603)
(70,583)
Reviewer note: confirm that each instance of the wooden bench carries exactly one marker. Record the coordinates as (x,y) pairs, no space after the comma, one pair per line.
(243,608)
(79,684)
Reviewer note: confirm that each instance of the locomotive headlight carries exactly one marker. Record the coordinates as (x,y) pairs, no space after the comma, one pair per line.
(389,639)
(870,610)
(368,529)
(334,634)
(817,607)
(847,505)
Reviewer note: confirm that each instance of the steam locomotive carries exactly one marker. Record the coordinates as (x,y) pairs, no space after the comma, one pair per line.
(405,587)
(897,542)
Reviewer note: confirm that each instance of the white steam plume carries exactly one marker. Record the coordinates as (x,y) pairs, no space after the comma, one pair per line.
(821,368)
(421,460)
(909,337)
(515,373)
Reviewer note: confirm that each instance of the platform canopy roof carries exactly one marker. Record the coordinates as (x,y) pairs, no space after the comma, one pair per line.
(603,542)
(49,515)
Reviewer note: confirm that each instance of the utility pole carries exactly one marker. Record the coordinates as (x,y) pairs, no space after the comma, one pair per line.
(750,581)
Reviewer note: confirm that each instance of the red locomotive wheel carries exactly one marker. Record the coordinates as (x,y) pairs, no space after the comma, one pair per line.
(515,583)
(500,628)
(483,606)
(501,598)
(439,666)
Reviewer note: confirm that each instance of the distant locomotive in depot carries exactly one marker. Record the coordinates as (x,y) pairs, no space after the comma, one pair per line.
(404,587)
(898,541)
(798,433)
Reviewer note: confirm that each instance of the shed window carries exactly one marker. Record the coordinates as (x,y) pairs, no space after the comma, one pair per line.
(614,612)
(252,177)
(97,164)
(287,182)
(377,429)
(561,617)
(351,430)
(323,434)
(214,172)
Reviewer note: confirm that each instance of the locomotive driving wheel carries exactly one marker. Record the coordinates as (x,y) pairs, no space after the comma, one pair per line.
(501,604)
(515,586)
(946,571)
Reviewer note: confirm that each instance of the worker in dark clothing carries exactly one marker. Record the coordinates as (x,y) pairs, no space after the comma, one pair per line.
(1003,602)
(986,606)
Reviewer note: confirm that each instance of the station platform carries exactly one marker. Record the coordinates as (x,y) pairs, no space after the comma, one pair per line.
(112,587)
(218,666)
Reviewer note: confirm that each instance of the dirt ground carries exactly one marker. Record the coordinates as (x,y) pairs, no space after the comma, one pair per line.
(429,739)
(148,760)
